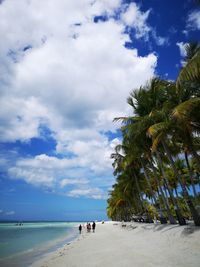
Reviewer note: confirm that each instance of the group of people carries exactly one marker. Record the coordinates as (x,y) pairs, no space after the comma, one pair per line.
(88,227)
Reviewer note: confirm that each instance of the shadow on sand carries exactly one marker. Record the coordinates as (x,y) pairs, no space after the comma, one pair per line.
(188,229)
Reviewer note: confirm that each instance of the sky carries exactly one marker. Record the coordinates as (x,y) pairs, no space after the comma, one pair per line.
(66,70)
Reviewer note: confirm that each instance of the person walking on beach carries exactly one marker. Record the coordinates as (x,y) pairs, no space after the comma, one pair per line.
(80,228)
(93,227)
(88,227)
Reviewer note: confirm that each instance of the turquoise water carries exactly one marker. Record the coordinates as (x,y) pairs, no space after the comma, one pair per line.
(20,245)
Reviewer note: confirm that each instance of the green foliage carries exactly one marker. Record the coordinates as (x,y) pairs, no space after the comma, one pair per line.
(162,112)
(152,210)
(191,71)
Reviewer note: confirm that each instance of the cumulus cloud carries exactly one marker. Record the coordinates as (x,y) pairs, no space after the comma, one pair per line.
(133,17)
(181,47)
(71,181)
(182,50)
(63,71)
(48,172)
(94,193)
(91,162)
(21,118)
(160,41)
(88,76)
(193,20)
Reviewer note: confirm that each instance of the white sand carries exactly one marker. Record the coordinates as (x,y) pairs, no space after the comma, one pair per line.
(144,245)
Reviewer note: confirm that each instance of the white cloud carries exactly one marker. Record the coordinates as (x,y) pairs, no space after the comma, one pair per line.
(136,19)
(133,17)
(71,181)
(105,6)
(73,77)
(91,160)
(48,172)
(21,118)
(181,47)
(160,41)
(38,178)
(183,52)
(94,193)
(193,20)
(42,170)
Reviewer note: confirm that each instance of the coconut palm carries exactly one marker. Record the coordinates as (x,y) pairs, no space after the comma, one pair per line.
(165,124)
(136,127)
(191,71)
(187,117)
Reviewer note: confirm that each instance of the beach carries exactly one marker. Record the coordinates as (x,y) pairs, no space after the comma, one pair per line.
(136,244)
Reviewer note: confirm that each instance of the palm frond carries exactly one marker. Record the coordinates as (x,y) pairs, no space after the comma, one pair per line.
(156,129)
(184,110)
(191,72)
(191,49)
(131,102)
(120,202)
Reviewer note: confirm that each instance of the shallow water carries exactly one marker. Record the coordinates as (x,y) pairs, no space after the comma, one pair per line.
(20,245)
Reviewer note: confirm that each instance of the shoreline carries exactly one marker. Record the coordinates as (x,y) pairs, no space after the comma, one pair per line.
(137,244)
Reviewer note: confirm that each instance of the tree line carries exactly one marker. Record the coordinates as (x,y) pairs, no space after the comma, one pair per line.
(157,165)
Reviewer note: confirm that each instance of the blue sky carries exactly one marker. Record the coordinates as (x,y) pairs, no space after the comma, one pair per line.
(67,68)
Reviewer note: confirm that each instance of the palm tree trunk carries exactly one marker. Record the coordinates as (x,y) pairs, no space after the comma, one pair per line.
(139,191)
(180,218)
(191,178)
(193,151)
(148,181)
(193,211)
(165,190)
(144,208)
(170,216)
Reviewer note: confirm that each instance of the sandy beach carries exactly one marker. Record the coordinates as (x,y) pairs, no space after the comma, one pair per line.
(139,245)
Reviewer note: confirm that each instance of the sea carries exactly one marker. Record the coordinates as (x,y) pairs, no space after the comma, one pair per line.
(22,243)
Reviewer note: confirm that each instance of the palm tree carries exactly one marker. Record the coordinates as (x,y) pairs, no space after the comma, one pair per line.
(191,175)
(187,116)
(165,124)
(191,71)
(194,212)
(191,49)
(156,101)
(143,102)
